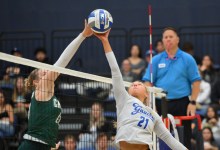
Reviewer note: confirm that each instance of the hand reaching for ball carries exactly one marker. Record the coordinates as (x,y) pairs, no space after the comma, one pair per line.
(87,32)
(102,36)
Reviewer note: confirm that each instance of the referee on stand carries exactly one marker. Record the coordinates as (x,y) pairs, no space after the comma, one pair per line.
(177,73)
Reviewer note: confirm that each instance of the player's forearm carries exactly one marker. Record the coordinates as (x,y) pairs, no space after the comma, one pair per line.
(69,52)
(106,46)
(163,133)
(195,90)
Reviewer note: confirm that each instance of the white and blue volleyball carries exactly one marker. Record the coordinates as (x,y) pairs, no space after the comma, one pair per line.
(100,20)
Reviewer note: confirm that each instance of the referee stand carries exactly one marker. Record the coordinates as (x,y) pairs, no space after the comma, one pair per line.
(199,145)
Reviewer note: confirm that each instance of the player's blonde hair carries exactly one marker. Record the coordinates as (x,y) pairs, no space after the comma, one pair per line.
(29,85)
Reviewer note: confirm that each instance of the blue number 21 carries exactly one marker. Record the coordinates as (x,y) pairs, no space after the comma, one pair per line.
(142,121)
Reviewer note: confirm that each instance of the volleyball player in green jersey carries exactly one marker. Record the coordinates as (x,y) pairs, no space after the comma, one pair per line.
(45,110)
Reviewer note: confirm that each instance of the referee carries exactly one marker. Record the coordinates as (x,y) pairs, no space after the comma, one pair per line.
(177,73)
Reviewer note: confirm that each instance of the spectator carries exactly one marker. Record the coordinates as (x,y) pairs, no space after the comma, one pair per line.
(6,117)
(215,93)
(16,52)
(13,70)
(137,63)
(159,47)
(208,70)
(127,74)
(147,56)
(96,125)
(41,55)
(20,103)
(69,142)
(188,47)
(7,82)
(209,141)
(203,99)
(212,120)
(176,72)
(102,142)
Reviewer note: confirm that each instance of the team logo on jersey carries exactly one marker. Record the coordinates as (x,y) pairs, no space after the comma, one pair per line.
(56,103)
(139,109)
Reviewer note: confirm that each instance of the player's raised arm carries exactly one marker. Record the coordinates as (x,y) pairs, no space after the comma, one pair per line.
(118,86)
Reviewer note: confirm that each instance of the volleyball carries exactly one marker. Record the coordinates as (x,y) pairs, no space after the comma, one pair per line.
(100,20)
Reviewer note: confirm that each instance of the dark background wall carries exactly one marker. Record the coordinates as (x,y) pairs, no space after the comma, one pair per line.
(53,14)
(49,15)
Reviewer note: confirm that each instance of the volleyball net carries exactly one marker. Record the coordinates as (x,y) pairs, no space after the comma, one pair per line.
(83,98)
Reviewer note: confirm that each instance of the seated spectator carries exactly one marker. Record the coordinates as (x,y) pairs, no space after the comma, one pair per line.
(137,63)
(126,72)
(13,69)
(16,52)
(102,142)
(96,125)
(7,82)
(203,99)
(212,120)
(208,70)
(159,47)
(188,47)
(69,142)
(209,141)
(215,93)
(21,105)
(6,117)
(41,55)
(147,56)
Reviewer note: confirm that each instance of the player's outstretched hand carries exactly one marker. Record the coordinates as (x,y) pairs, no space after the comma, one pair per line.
(102,36)
(87,32)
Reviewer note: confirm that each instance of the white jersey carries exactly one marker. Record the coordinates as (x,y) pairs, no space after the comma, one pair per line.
(135,121)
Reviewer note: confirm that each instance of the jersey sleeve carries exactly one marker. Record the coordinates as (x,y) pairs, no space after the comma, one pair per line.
(120,93)
(163,133)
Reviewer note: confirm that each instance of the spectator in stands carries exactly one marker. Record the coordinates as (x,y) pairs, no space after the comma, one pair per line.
(208,69)
(20,103)
(215,93)
(7,82)
(203,99)
(16,52)
(147,56)
(41,55)
(209,141)
(69,142)
(16,69)
(102,142)
(137,63)
(212,120)
(97,124)
(6,117)
(127,74)
(159,47)
(188,47)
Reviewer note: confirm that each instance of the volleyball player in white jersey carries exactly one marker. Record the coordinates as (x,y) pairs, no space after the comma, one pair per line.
(135,120)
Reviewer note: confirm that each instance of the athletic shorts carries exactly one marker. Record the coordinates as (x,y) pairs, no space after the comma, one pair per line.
(32,145)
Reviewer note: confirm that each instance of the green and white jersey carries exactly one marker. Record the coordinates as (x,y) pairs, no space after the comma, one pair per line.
(43,121)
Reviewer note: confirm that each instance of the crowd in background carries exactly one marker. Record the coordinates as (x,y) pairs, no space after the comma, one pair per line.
(15,99)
